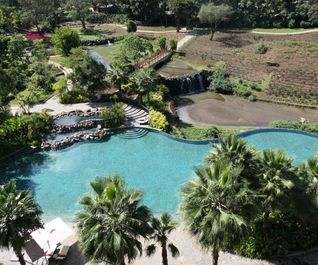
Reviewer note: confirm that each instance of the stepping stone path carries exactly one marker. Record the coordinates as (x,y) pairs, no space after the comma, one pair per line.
(135,116)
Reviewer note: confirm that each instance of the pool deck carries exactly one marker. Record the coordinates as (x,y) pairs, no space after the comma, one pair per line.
(190,254)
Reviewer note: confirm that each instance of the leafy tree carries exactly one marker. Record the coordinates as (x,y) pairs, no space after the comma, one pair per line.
(88,76)
(131,26)
(162,228)
(28,98)
(158,120)
(114,116)
(173,45)
(214,15)
(112,222)
(38,10)
(313,14)
(65,39)
(212,206)
(20,215)
(80,10)
(135,48)
(119,72)
(182,9)
(146,81)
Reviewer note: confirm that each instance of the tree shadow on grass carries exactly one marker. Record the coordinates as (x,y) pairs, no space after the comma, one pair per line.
(233,40)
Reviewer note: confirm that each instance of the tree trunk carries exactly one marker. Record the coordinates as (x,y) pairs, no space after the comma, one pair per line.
(212,32)
(83,23)
(178,24)
(266,217)
(20,257)
(164,255)
(215,256)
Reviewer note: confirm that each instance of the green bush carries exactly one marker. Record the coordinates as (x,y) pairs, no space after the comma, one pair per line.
(262,48)
(288,233)
(158,120)
(311,127)
(162,42)
(114,116)
(173,45)
(21,131)
(252,98)
(220,83)
(99,18)
(64,39)
(131,26)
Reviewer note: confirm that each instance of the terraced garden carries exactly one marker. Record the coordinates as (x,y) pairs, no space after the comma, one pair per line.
(292,60)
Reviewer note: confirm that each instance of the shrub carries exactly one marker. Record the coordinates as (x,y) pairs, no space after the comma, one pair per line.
(173,45)
(60,85)
(99,18)
(114,116)
(262,48)
(131,26)
(158,120)
(311,127)
(252,98)
(162,42)
(305,24)
(220,83)
(219,66)
(288,233)
(22,131)
(64,39)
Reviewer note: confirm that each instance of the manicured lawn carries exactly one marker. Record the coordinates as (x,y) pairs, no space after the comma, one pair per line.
(64,61)
(179,66)
(108,52)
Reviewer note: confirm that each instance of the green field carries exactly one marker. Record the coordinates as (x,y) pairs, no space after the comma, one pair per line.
(108,52)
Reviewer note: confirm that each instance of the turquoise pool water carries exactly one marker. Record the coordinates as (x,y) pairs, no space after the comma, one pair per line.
(154,163)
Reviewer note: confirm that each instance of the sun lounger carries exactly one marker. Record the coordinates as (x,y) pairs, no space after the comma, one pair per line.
(62,253)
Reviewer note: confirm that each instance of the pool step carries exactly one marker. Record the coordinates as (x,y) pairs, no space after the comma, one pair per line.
(133,133)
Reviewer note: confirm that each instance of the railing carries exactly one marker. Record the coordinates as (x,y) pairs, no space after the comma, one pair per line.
(157,58)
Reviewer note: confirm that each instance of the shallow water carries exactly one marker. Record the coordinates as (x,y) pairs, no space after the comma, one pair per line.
(154,163)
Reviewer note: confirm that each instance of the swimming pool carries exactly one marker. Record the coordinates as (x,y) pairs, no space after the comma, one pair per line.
(155,163)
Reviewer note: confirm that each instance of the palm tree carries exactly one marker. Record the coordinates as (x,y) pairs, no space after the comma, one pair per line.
(311,173)
(19,216)
(277,182)
(213,205)
(237,152)
(112,221)
(146,80)
(161,229)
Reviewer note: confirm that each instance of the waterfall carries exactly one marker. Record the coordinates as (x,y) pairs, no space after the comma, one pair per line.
(201,82)
(190,87)
(99,59)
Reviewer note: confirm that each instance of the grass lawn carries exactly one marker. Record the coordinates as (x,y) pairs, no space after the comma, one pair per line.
(180,66)
(63,60)
(195,132)
(43,96)
(108,52)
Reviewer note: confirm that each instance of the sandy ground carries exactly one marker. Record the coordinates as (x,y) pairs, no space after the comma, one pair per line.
(235,111)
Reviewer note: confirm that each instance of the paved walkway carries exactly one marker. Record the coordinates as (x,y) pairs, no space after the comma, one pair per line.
(190,254)
(183,41)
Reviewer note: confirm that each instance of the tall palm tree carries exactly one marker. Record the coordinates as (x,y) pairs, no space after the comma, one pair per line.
(112,222)
(237,152)
(276,183)
(212,206)
(161,229)
(19,216)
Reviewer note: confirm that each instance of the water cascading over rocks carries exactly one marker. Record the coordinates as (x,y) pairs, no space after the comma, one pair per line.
(189,84)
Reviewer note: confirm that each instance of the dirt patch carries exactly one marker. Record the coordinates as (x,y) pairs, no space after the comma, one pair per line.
(234,111)
(291,59)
